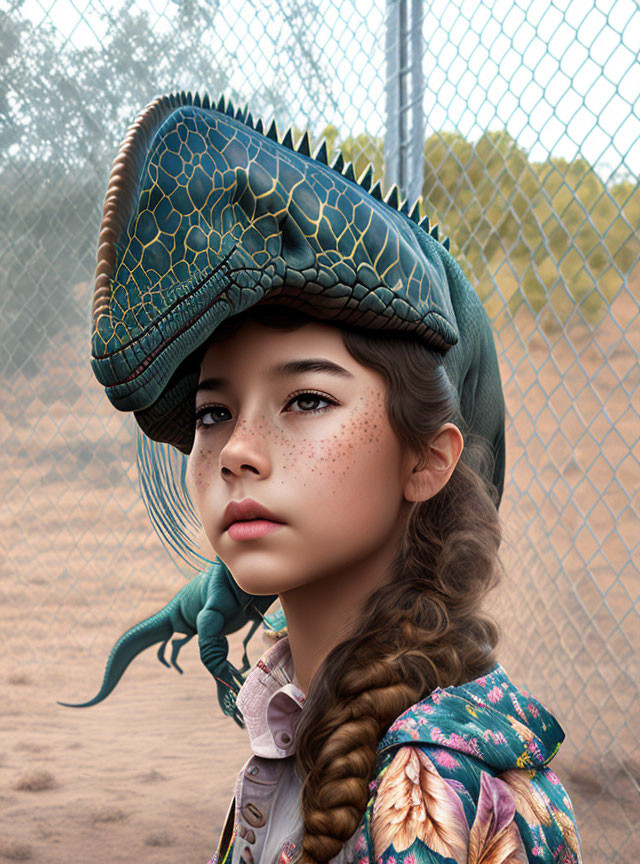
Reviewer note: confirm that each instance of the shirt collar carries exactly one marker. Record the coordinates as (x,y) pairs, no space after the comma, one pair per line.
(271,703)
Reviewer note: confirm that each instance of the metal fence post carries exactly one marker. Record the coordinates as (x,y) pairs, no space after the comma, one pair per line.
(404,138)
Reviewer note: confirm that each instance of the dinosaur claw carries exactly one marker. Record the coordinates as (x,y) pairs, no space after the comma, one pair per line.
(161,654)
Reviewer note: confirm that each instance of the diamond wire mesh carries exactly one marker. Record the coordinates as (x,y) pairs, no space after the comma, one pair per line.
(531,163)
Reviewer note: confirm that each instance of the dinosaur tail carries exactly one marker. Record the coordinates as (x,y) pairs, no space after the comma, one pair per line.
(157,628)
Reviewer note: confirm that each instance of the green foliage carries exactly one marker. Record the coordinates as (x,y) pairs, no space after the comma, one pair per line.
(548,234)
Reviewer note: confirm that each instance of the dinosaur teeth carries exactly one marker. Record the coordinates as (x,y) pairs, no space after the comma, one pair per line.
(424,223)
(446,243)
(240,113)
(404,208)
(434,232)
(287,141)
(230,109)
(260,126)
(321,153)
(415,213)
(366,177)
(221,106)
(248,120)
(205,101)
(196,100)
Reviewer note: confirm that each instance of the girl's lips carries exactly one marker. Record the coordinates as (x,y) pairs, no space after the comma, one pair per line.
(252,529)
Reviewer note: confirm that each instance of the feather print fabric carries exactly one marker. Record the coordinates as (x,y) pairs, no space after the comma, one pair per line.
(414,802)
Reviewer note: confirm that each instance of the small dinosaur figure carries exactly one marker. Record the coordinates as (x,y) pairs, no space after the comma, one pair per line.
(211,605)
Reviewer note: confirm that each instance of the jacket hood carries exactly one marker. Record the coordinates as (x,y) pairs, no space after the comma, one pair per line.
(490,719)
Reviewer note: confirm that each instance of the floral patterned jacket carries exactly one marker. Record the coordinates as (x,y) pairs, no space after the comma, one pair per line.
(462,777)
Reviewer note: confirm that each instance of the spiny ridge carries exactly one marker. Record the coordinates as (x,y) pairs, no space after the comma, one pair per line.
(338,163)
(272,131)
(392,197)
(287,141)
(349,173)
(320,155)
(376,190)
(366,177)
(304,144)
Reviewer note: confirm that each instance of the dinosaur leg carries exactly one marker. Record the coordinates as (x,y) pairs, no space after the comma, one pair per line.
(245,658)
(161,653)
(176,645)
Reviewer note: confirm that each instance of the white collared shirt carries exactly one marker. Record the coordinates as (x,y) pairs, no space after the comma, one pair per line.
(268,788)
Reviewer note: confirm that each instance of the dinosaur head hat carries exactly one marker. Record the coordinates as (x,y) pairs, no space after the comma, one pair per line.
(207,213)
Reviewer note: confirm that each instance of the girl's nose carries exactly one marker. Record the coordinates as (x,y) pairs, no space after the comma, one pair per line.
(246,448)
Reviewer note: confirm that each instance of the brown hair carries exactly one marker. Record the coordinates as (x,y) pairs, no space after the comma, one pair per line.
(423,629)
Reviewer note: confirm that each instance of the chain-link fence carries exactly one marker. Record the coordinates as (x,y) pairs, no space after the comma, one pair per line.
(529,155)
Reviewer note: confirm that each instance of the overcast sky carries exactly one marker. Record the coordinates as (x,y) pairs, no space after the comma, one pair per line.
(561,75)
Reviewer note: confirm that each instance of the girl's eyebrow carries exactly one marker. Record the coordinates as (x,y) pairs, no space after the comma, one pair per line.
(285,369)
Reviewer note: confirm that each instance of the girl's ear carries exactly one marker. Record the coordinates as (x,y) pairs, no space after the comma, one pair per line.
(431,470)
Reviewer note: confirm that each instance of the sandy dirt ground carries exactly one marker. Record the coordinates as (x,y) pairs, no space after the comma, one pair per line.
(147,775)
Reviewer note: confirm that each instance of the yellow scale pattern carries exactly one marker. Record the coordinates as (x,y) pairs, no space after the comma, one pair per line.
(205,215)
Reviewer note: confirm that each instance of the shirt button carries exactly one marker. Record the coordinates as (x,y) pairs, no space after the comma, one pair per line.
(253,816)
(247,834)
(282,739)
(246,856)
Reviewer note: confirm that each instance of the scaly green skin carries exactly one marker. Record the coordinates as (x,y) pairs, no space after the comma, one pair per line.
(205,215)
(211,605)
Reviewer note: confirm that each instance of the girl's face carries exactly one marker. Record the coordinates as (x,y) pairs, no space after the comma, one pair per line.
(312,446)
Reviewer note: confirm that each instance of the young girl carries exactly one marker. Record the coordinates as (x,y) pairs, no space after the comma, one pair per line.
(330,463)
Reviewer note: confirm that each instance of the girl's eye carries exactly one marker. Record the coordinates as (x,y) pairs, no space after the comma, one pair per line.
(303,397)
(312,397)
(207,409)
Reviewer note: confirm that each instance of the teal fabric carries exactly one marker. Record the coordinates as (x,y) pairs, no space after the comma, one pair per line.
(485,748)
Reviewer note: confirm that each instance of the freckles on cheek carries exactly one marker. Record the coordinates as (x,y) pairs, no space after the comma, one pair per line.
(202,468)
(359,437)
